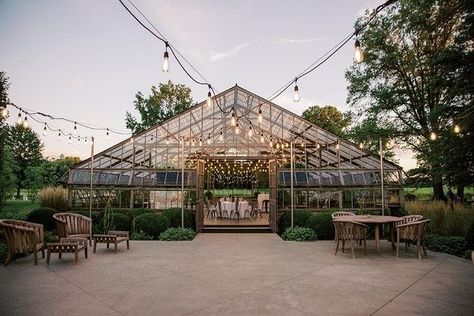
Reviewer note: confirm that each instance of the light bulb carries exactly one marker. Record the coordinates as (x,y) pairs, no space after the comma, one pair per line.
(361,146)
(260,116)
(44,130)
(167,140)
(302,144)
(59,136)
(278,146)
(193,142)
(132,140)
(262,139)
(209,100)
(296,94)
(209,139)
(74,132)
(358,54)
(250,131)
(271,143)
(200,141)
(166,61)
(85,141)
(418,141)
(337,146)
(19,121)
(433,136)
(69,140)
(318,146)
(25,122)
(237,128)
(4,112)
(79,140)
(221,137)
(233,121)
(457,129)
(107,135)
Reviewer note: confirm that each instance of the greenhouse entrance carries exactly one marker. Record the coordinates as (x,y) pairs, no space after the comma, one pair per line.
(235,159)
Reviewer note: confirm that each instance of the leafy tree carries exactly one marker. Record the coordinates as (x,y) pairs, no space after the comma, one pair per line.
(8,178)
(328,117)
(163,103)
(26,148)
(4,182)
(402,79)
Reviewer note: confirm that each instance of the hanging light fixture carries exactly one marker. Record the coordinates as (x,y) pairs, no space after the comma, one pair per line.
(358,54)
(418,141)
(262,139)
(25,122)
(200,141)
(361,146)
(433,136)
(59,136)
(260,116)
(193,142)
(166,60)
(221,136)
(337,145)
(19,120)
(74,131)
(237,128)
(209,139)
(250,131)
(45,132)
(233,120)
(107,135)
(69,139)
(318,146)
(167,140)
(209,98)
(457,129)
(271,143)
(4,112)
(296,94)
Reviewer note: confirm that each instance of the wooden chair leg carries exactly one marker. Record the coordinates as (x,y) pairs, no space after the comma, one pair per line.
(352,248)
(115,246)
(337,246)
(398,243)
(95,246)
(418,250)
(60,255)
(85,252)
(35,256)
(365,246)
(8,259)
(128,244)
(107,245)
(76,256)
(42,252)
(343,244)
(48,257)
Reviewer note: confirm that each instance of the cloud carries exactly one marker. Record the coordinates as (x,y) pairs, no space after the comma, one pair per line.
(286,41)
(216,56)
(78,82)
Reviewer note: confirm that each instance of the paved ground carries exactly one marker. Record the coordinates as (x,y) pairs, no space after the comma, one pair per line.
(239,274)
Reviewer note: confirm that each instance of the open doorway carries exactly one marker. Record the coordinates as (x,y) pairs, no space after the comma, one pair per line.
(236,192)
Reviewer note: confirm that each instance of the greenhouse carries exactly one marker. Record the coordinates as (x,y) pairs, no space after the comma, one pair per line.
(236,145)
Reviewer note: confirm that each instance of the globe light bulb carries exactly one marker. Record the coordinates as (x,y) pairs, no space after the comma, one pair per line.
(69,140)
(271,143)
(200,141)
(260,116)
(457,129)
(237,128)
(361,146)
(418,141)
(209,139)
(4,112)
(262,139)
(209,100)
(233,120)
(166,61)
(250,131)
(59,136)
(19,121)
(318,146)
(167,140)
(74,132)
(433,136)
(296,94)
(358,54)
(337,146)
(221,136)
(25,122)
(107,135)
(45,130)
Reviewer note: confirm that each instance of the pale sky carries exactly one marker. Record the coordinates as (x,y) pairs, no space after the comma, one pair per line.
(86,59)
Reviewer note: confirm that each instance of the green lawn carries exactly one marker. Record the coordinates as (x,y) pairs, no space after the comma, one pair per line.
(426,193)
(18,207)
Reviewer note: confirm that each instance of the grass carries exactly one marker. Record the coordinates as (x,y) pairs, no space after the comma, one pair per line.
(426,193)
(19,207)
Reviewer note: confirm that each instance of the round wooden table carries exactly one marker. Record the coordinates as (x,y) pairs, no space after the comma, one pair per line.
(376,220)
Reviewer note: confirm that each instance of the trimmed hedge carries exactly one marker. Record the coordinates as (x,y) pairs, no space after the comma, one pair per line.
(135,212)
(43,215)
(470,236)
(454,245)
(322,224)
(174,215)
(151,224)
(118,221)
(299,217)
(299,234)
(177,233)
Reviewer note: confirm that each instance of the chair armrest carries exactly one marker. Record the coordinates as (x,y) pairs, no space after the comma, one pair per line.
(118,233)
(408,224)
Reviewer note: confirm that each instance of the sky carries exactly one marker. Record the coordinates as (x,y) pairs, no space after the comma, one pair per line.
(86,59)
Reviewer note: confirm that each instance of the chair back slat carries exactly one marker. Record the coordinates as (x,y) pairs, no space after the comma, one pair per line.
(339,214)
(72,224)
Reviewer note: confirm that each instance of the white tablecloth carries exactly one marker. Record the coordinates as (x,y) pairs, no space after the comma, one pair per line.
(230,206)
(262,197)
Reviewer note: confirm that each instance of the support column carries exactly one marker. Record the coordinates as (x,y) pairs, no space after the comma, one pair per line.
(91,177)
(291,184)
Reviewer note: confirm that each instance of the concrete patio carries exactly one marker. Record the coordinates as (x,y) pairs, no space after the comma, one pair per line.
(238,274)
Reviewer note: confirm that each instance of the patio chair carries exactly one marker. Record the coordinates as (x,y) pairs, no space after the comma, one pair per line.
(339,214)
(409,218)
(23,238)
(222,211)
(211,210)
(70,225)
(350,231)
(411,232)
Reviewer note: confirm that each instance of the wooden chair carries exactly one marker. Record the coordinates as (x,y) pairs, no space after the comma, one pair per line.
(351,231)
(411,232)
(73,225)
(409,218)
(339,214)
(23,238)
(211,210)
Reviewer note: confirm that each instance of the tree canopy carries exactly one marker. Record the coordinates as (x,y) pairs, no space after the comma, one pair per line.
(328,117)
(5,179)
(163,103)
(406,81)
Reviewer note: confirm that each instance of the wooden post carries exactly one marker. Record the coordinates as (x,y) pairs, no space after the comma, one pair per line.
(91,177)
(291,184)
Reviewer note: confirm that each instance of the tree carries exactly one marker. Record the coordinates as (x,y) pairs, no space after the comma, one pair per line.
(402,80)
(26,148)
(163,103)
(4,182)
(328,117)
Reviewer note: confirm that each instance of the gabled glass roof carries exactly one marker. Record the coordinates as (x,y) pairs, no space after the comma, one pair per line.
(208,133)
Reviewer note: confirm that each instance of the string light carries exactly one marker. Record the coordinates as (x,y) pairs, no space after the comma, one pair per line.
(25,122)
(237,128)
(69,139)
(262,139)
(318,146)
(271,143)
(433,136)
(74,132)
(233,120)
(4,112)
(59,136)
(337,145)
(107,135)
(457,129)
(221,136)
(209,139)
(296,94)
(45,132)
(418,141)
(167,140)
(209,98)
(166,60)
(260,116)
(19,120)
(358,54)
(250,131)
(200,141)
(361,146)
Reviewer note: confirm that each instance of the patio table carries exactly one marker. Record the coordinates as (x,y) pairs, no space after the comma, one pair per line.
(376,220)
(228,206)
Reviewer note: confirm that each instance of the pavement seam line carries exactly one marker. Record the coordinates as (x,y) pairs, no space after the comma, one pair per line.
(409,286)
(89,294)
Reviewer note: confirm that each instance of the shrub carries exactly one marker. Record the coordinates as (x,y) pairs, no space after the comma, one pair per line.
(53,197)
(3,252)
(299,234)
(174,215)
(299,217)
(322,225)
(117,221)
(470,236)
(453,245)
(141,236)
(151,224)
(178,233)
(135,212)
(43,215)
